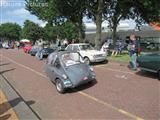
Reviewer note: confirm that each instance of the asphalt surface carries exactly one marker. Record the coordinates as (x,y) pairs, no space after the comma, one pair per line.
(119,93)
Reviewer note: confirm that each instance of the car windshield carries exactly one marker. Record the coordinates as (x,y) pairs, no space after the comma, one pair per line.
(71,59)
(48,50)
(86,47)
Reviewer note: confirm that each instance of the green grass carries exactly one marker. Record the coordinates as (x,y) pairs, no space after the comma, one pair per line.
(124,57)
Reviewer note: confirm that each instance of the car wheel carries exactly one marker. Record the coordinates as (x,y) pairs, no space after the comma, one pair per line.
(159,74)
(105,61)
(59,86)
(86,60)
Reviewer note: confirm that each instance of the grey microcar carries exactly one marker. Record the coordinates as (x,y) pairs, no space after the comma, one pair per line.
(68,70)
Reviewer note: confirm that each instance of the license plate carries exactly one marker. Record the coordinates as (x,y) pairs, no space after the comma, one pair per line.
(85,78)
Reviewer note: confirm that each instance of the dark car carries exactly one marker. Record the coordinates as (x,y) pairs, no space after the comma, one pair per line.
(34,50)
(150,62)
(68,70)
(44,53)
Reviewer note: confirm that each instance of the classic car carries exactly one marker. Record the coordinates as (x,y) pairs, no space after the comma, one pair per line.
(34,50)
(44,53)
(87,52)
(68,70)
(27,48)
(150,62)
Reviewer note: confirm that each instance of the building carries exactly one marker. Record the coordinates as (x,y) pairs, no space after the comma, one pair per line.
(149,35)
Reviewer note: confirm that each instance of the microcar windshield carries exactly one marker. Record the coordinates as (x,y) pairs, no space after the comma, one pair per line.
(71,59)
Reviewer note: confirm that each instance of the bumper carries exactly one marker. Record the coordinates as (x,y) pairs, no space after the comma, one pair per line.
(100,59)
(70,85)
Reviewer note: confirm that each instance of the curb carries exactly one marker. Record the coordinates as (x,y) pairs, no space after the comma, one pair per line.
(22,110)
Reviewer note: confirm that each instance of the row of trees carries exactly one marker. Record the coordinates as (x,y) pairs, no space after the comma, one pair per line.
(33,32)
(57,12)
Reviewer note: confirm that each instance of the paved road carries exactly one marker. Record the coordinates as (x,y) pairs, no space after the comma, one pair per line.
(118,94)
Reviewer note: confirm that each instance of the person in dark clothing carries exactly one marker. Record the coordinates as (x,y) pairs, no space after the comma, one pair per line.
(133,51)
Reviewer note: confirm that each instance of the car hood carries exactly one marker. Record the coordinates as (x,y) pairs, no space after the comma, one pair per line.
(76,73)
(148,56)
(93,52)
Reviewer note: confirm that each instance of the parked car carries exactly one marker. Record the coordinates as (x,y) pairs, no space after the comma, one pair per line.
(87,52)
(44,53)
(68,70)
(27,48)
(150,62)
(34,50)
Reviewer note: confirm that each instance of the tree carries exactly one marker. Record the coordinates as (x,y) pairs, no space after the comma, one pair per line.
(69,30)
(44,9)
(73,11)
(32,31)
(118,10)
(10,31)
(95,10)
(50,33)
(146,11)
(58,11)
(142,11)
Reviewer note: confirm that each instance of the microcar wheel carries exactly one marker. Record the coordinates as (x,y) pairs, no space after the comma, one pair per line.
(59,86)
(86,60)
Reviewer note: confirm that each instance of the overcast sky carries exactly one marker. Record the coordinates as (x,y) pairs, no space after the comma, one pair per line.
(14,11)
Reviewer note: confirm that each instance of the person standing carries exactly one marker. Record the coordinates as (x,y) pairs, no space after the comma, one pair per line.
(133,51)
(18,45)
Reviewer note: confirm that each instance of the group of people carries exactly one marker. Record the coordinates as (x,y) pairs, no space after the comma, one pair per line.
(133,49)
(119,46)
(9,44)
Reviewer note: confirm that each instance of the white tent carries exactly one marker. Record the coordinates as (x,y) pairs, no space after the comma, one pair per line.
(24,40)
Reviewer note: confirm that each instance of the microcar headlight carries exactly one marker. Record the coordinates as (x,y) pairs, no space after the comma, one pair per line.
(64,76)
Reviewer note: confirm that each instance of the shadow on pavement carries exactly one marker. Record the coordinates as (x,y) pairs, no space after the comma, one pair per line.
(4,64)
(147,74)
(4,107)
(5,117)
(82,87)
(1,72)
(29,102)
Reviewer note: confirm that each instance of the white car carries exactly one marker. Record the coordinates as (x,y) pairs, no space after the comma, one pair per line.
(89,54)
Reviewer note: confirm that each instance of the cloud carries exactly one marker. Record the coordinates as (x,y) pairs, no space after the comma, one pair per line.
(2,2)
(21,12)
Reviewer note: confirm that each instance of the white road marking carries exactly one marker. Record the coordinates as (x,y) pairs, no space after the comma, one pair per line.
(84,94)
(121,76)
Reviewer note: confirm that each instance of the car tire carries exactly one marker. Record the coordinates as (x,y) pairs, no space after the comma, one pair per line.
(87,60)
(105,61)
(159,74)
(59,86)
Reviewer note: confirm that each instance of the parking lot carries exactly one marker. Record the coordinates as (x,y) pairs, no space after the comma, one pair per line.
(118,92)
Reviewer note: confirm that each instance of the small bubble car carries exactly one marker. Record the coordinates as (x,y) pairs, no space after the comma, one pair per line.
(68,70)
